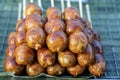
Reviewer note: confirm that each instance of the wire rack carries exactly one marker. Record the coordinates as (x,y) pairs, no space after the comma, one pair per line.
(105,16)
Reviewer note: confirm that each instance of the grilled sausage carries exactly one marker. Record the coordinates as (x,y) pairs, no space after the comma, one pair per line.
(66,58)
(78,42)
(11,66)
(97,68)
(34,69)
(55,70)
(20,37)
(11,38)
(34,20)
(20,26)
(75,70)
(56,41)
(24,55)
(32,8)
(71,13)
(73,25)
(53,13)
(46,57)
(54,25)
(86,58)
(35,38)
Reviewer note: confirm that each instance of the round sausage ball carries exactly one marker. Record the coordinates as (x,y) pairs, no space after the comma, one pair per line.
(89,35)
(54,25)
(97,46)
(20,37)
(75,70)
(66,58)
(34,69)
(46,57)
(24,55)
(97,68)
(78,42)
(20,26)
(11,66)
(73,25)
(96,35)
(86,58)
(86,23)
(10,50)
(55,70)
(11,38)
(32,8)
(53,13)
(34,20)
(71,13)
(57,41)
(35,38)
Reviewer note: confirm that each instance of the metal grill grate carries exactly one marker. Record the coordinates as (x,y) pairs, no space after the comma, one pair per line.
(105,16)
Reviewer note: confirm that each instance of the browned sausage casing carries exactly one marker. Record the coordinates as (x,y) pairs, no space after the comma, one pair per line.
(76,70)
(20,37)
(97,68)
(32,8)
(55,70)
(72,25)
(89,35)
(11,66)
(34,20)
(78,42)
(66,58)
(35,38)
(53,13)
(71,13)
(24,55)
(97,46)
(54,25)
(11,38)
(56,41)
(86,58)
(10,50)
(20,26)
(86,23)
(46,57)
(34,69)
(96,35)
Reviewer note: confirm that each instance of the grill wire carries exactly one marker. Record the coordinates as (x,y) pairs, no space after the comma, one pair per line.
(105,16)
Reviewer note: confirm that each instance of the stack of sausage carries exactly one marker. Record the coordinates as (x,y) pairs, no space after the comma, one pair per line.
(55,45)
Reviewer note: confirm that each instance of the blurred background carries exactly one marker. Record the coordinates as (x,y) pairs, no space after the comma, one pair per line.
(105,17)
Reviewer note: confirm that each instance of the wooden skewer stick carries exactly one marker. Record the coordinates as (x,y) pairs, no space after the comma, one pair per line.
(24,4)
(40,4)
(62,5)
(52,3)
(31,1)
(68,3)
(88,14)
(80,8)
(19,10)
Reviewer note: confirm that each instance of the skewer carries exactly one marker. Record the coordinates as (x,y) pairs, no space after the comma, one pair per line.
(19,10)
(52,3)
(68,3)
(88,14)
(31,1)
(80,8)
(62,5)
(40,4)
(24,4)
